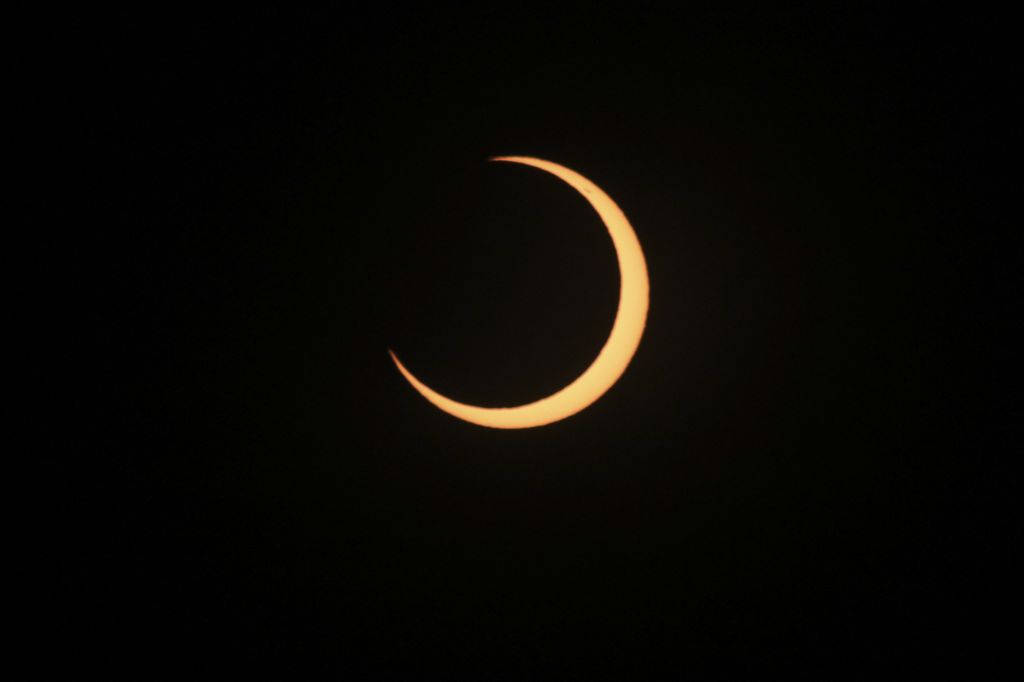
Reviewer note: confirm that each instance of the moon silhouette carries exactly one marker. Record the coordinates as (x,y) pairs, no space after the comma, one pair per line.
(618,350)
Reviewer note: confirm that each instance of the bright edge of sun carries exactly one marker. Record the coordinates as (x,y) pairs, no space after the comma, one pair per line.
(618,350)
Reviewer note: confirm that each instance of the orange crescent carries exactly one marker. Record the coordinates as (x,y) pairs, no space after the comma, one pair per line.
(618,350)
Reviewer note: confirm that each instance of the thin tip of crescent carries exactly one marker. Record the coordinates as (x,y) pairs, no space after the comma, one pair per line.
(512,159)
(396,361)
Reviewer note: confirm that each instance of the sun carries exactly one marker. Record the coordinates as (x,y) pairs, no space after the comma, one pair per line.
(618,350)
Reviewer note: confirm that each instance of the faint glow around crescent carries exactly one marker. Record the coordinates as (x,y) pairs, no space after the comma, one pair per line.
(618,350)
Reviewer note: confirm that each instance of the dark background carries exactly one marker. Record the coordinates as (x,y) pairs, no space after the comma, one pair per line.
(802,465)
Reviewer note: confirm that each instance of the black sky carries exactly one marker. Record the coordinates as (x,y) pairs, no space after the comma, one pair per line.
(800,468)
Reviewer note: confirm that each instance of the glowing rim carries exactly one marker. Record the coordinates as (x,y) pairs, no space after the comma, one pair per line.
(618,350)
